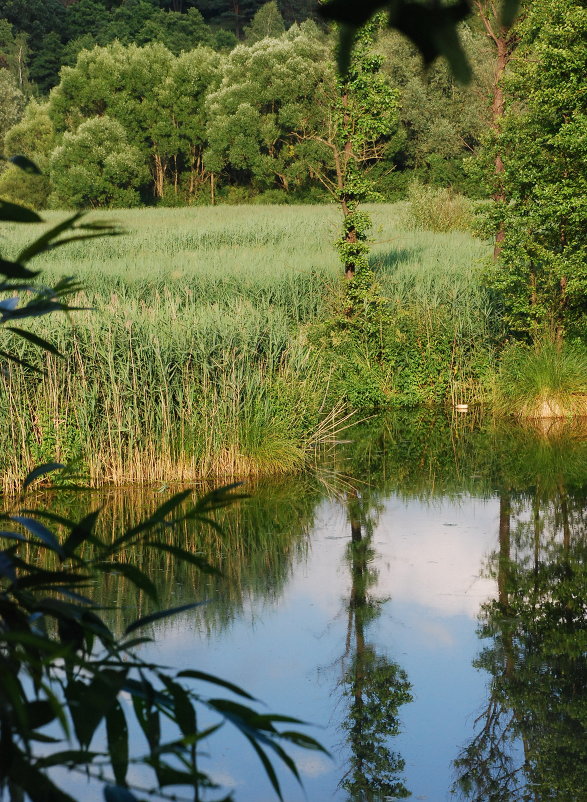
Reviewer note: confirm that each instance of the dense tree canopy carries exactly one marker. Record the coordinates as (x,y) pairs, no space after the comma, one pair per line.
(542,283)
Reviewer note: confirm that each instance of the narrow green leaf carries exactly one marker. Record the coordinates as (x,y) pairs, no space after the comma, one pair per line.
(41,243)
(148,619)
(41,470)
(81,532)
(185,556)
(40,530)
(204,677)
(22,362)
(133,574)
(35,339)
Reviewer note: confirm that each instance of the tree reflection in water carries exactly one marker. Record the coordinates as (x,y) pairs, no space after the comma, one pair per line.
(373,686)
(531,741)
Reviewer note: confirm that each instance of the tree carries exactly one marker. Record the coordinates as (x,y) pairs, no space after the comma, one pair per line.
(267,22)
(12,102)
(96,166)
(33,137)
(542,279)
(374,686)
(503,41)
(14,54)
(158,99)
(267,95)
(441,122)
(178,32)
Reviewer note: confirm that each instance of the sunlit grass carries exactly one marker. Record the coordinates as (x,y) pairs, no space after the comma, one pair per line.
(191,360)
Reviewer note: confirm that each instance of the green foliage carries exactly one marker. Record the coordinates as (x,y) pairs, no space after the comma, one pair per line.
(547,379)
(432,209)
(156,97)
(541,279)
(11,102)
(267,23)
(266,100)
(96,166)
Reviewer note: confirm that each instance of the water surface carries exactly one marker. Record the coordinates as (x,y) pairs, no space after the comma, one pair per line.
(420,600)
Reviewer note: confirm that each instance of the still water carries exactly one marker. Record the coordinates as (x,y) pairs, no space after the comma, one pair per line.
(420,599)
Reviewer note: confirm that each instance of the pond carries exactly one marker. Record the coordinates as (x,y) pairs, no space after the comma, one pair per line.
(420,598)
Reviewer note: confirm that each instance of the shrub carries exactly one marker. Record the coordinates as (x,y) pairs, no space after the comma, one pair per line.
(433,209)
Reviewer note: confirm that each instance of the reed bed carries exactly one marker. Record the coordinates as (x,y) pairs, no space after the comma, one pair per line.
(191,359)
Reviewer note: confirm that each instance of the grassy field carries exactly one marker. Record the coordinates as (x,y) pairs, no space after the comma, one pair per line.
(193,360)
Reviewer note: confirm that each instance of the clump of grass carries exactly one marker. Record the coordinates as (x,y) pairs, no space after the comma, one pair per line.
(438,209)
(545,380)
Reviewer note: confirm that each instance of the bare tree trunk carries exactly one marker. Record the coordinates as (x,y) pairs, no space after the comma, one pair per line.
(504,45)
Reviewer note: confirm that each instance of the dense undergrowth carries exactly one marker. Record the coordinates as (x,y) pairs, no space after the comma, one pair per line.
(215,345)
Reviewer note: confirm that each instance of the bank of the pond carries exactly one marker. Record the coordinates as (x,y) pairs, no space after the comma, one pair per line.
(197,355)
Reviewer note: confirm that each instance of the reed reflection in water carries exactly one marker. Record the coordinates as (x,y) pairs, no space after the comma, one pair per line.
(433,532)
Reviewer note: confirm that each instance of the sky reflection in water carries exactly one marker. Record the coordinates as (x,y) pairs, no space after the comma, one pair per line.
(288,653)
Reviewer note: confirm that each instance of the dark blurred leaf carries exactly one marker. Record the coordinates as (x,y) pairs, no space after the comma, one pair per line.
(148,619)
(117,733)
(509,10)
(350,11)
(15,270)
(201,675)
(133,574)
(42,243)
(12,213)
(158,517)
(431,27)
(41,470)
(116,793)
(40,530)
(40,713)
(185,715)
(35,339)
(25,164)
(90,703)
(80,532)
(185,556)
(22,362)
(72,757)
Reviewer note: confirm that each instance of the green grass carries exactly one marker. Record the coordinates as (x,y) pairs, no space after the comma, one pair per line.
(546,380)
(192,361)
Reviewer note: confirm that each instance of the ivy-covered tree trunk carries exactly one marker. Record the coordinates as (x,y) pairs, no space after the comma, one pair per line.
(366,114)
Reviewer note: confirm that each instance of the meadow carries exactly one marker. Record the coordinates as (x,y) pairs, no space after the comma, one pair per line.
(191,358)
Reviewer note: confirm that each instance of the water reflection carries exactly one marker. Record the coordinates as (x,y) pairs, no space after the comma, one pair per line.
(424,506)
(373,686)
(531,738)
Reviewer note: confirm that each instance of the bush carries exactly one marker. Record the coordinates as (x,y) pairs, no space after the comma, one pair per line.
(432,209)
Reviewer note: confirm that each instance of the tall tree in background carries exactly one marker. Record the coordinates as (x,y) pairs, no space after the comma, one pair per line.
(542,279)
(360,116)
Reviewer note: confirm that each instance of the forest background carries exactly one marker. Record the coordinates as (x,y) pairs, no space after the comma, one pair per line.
(186,118)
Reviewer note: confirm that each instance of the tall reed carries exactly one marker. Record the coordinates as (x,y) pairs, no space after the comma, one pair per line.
(191,361)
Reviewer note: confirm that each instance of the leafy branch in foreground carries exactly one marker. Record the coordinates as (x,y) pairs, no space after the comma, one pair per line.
(431,26)
(63,668)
